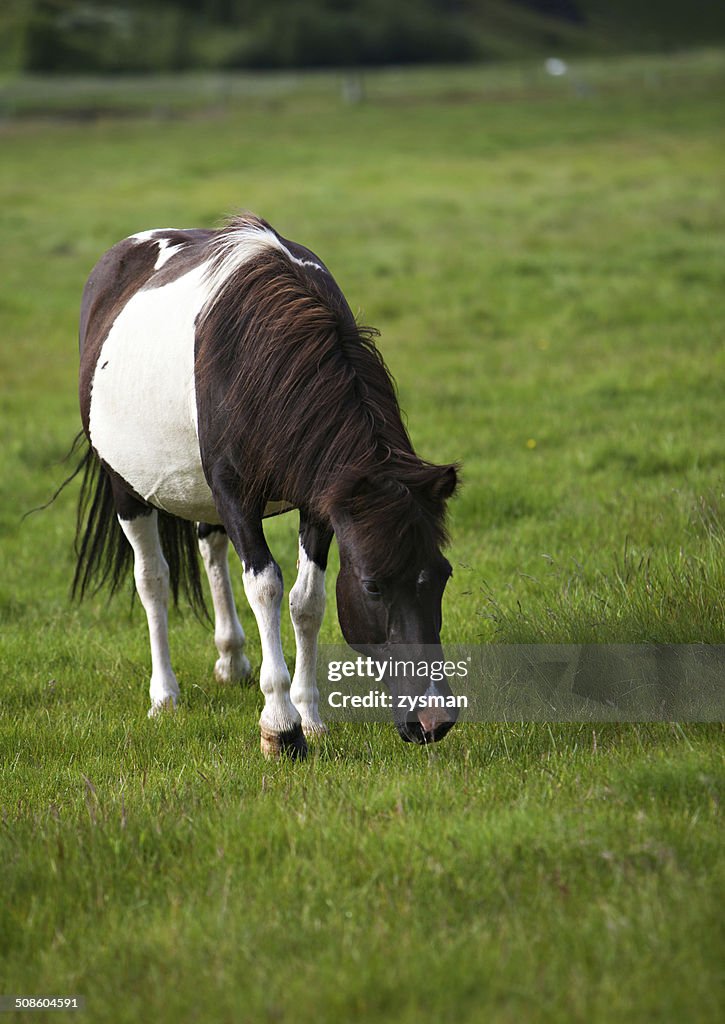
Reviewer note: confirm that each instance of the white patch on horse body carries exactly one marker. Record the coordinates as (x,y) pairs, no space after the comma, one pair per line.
(264,592)
(143,418)
(148,236)
(166,251)
(307,608)
(166,248)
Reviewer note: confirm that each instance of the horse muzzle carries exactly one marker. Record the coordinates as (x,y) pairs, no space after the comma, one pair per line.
(428,725)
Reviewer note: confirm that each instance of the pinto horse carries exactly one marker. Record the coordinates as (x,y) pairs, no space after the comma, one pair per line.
(224,379)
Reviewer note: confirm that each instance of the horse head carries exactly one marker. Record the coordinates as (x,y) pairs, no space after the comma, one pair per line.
(390,529)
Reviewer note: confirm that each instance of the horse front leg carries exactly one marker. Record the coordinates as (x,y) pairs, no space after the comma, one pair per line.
(280,724)
(307,607)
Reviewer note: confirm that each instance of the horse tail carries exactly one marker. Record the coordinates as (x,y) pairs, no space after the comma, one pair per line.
(104,556)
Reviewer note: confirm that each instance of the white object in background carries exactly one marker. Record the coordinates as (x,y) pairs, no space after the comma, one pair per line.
(555,67)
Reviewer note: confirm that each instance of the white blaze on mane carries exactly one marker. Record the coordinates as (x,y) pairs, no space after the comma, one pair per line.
(143,415)
(239,244)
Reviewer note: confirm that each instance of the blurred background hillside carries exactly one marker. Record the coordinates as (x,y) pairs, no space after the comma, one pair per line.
(132,36)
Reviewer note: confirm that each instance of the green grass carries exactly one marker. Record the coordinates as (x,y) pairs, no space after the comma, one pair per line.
(546,267)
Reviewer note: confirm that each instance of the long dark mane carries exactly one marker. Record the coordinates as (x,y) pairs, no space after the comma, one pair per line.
(300,397)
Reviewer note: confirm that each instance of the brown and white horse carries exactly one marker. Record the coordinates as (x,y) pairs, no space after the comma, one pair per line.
(223,379)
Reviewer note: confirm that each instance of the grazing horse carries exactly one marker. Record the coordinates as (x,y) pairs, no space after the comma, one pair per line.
(223,379)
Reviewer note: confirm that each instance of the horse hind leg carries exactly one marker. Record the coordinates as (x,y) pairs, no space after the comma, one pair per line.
(151,575)
(232,664)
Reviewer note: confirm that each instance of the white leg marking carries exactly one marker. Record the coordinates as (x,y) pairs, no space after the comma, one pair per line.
(151,573)
(232,664)
(307,607)
(264,592)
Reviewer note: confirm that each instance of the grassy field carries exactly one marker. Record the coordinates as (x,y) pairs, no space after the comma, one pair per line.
(545,263)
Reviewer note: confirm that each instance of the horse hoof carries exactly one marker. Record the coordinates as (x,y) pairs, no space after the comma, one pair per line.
(161,707)
(314,730)
(290,743)
(232,669)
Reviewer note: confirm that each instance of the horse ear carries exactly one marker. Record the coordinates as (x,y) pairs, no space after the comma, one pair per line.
(347,495)
(446,483)
(360,489)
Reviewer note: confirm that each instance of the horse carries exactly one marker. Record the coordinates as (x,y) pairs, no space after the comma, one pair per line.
(224,379)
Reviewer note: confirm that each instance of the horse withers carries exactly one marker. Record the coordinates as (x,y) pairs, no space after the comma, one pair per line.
(224,379)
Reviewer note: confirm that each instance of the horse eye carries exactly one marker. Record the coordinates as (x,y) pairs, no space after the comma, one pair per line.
(371,587)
